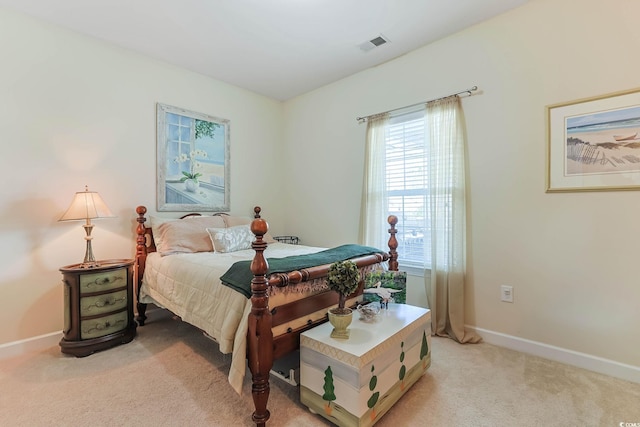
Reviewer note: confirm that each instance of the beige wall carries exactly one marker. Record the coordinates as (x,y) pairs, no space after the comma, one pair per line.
(76,111)
(571,258)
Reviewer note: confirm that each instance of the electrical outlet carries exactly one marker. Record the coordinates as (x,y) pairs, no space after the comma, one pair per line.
(506,293)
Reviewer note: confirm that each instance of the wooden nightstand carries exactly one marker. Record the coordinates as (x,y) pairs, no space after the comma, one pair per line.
(98,306)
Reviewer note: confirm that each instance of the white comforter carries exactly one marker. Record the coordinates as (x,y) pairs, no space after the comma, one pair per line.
(189,286)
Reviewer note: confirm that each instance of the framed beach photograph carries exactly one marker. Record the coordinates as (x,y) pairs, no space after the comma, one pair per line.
(594,143)
(192,161)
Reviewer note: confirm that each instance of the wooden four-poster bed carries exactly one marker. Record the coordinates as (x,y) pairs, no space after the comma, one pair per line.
(274,310)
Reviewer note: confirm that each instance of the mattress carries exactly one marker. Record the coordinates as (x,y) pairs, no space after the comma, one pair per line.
(189,286)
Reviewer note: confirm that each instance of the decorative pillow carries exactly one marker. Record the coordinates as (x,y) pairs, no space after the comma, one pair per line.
(234,221)
(231,239)
(186,235)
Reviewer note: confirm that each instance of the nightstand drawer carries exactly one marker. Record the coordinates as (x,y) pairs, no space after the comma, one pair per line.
(103,281)
(98,304)
(93,328)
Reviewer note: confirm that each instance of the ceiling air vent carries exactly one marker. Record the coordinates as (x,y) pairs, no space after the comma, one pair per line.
(373,43)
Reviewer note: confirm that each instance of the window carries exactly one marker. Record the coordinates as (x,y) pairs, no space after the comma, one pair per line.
(406,164)
(415,170)
(406,180)
(180,137)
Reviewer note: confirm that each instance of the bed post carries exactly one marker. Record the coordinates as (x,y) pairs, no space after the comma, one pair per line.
(141,259)
(259,336)
(393,243)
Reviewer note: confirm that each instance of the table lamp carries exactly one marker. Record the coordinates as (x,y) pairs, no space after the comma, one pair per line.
(87,205)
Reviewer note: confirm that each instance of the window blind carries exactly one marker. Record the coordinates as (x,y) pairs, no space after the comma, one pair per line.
(406,184)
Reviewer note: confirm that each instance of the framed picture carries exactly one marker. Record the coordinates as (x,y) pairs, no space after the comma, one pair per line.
(192,161)
(594,143)
(393,282)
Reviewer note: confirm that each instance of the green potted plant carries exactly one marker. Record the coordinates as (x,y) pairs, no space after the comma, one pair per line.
(343,277)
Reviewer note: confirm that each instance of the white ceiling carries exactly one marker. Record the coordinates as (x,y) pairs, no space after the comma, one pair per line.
(278,48)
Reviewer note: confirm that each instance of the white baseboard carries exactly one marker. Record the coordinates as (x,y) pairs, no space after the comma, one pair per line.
(18,348)
(41,342)
(562,355)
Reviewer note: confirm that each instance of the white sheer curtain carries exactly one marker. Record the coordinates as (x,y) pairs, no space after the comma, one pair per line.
(447,212)
(373,212)
(444,195)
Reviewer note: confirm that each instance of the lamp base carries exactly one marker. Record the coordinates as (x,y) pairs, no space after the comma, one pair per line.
(89,259)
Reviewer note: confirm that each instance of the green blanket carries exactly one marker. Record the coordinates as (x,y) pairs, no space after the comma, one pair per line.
(239,276)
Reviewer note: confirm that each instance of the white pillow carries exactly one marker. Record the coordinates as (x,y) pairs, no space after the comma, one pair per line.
(231,239)
(232,221)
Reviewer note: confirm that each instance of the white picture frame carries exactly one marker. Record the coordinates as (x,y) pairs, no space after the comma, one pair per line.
(193,164)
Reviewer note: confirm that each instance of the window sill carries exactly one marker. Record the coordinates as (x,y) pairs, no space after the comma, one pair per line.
(413,270)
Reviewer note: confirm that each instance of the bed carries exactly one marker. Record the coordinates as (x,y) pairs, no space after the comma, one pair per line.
(228,277)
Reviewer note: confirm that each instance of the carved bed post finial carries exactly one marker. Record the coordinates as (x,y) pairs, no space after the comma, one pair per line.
(141,260)
(260,336)
(393,243)
(256,211)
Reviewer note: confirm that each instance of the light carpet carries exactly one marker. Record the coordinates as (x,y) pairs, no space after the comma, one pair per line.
(171,375)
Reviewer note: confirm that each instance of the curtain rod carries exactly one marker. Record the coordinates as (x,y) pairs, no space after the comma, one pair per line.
(469,91)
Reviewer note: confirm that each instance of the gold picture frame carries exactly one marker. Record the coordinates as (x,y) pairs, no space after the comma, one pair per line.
(593,144)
